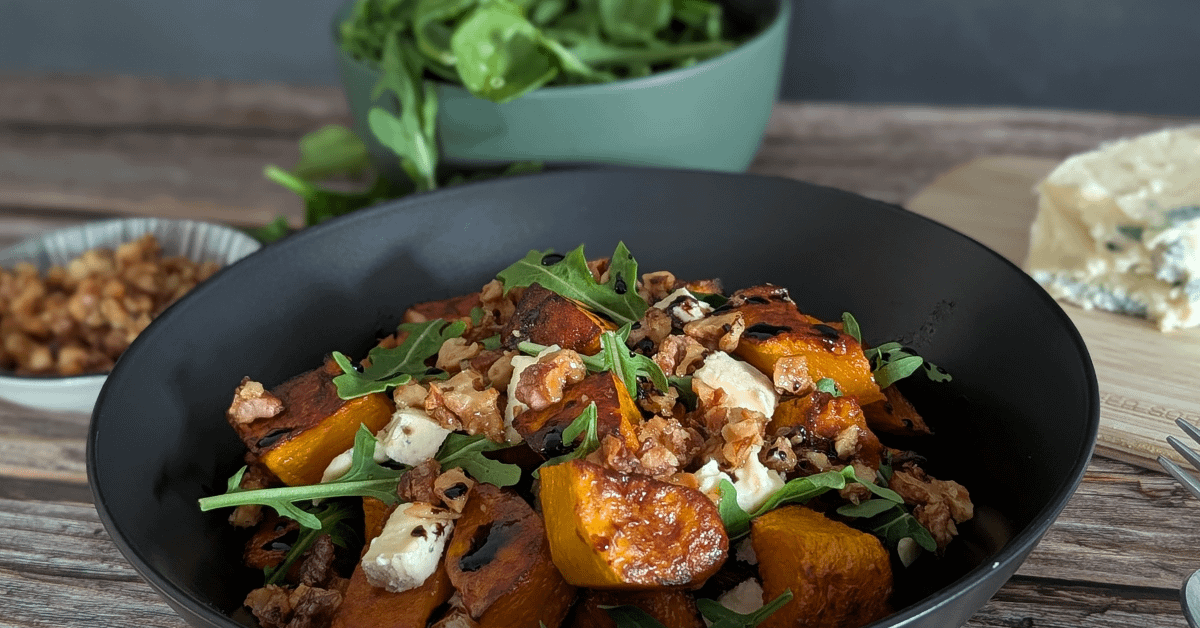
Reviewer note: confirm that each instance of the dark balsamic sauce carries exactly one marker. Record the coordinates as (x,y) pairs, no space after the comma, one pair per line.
(551,259)
(487,540)
(764,331)
(272,437)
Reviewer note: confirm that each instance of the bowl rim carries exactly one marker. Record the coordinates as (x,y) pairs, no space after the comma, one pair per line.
(53,381)
(779,21)
(1007,559)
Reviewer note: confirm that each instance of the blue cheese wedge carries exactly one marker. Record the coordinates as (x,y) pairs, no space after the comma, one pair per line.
(1118,229)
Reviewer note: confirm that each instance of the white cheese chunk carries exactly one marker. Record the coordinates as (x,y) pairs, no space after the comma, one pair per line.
(410,438)
(754,482)
(744,386)
(683,306)
(407,552)
(1118,229)
(745,598)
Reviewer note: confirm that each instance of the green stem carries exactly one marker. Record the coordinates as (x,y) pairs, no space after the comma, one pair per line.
(594,55)
(290,181)
(298,493)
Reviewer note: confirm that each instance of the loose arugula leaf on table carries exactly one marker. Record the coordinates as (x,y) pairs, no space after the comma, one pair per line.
(827,385)
(366,478)
(569,276)
(460,450)
(399,365)
(332,519)
(721,617)
(584,425)
(331,150)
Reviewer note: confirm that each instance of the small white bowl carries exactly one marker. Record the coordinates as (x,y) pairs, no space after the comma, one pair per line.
(198,241)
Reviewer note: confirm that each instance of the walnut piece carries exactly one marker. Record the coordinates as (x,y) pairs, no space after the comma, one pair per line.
(454,352)
(252,402)
(791,377)
(542,383)
(938,504)
(463,403)
(417,484)
(719,331)
(680,355)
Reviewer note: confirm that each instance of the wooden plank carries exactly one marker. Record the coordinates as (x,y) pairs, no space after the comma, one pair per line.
(1146,377)
(1033,603)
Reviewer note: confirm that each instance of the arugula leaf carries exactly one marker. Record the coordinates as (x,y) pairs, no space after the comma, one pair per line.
(850,326)
(331,517)
(722,617)
(897,523)
(398,365)
(827,385)
(866,509)
(634,21)
(366,478)
(736,520)
(630,616)
(615,356)
(585,425)
(460,450)
(273,231)
(686,393)
(499,53)
(412,136)
(321,204)
(935,372)
(432,30)
(330,150)
(892,362)
(897,369)
(569,276)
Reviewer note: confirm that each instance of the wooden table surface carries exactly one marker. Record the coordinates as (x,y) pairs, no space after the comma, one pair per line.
(76,148)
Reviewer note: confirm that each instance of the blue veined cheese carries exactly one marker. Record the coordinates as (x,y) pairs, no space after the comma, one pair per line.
(1118,229)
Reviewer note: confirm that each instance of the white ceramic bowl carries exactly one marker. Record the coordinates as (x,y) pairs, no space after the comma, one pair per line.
(198,241)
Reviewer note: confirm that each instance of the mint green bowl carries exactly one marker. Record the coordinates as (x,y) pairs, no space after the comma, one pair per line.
(710,116)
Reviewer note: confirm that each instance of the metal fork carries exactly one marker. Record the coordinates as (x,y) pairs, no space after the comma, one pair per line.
(1189,593)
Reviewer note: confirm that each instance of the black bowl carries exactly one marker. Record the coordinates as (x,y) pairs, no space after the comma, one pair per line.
(1016,425)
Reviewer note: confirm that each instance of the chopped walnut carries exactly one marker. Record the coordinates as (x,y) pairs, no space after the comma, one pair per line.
(656,286)
(452,488)
(742,436)
(313,607)
(500,372)
(684,479)
(497,308)
(410,395)
(848,442)
(256,477)
(417,484)
(654,327)
(718,332)
(661,404)
(454,352)
(779,456)
(614,455)
(815,461)
(252,402)
(855,492)
(423,510)
(791,376)
(680,355)
(462,403)
(270,605)
(938,504)
(316,567)
(542,383)
(599,269)
(666,445)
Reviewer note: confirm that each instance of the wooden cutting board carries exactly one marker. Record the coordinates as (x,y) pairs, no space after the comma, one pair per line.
(1147,378)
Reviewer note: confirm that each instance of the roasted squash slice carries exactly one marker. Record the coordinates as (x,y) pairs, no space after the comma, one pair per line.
(839,577)
(499,562)
(616,414)
(547,318)
(895,415)
(672,608)
(825,421)
(315,425)
(452,309)
(775,329)
(614,531)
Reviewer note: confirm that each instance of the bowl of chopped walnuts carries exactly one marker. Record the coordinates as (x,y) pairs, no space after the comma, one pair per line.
(72,300)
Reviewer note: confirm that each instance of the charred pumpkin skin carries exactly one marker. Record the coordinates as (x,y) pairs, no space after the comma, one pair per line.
(839,577)
(671,607)
(616,414)
(821,417)
(776,329)
(547,318)
(615,531)
(452,309)
(315,425)
(499,561)
(895,415)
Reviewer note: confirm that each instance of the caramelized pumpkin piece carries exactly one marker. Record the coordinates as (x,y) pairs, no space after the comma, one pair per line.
(366,606)
(775,329)
(834,423)
(499,562)
(452,309)
(547,318)
(839,577)
(315,425)
(895,415)
(616,414)
(671,607)
(614,531)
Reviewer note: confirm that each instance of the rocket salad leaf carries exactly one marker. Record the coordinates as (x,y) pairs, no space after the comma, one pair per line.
(570,277)
(399,365)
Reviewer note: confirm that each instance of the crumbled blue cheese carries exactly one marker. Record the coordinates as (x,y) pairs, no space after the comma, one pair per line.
(754,482)
(1118,229)
(745,386)
(410,438)
(684,307)
(408,550)
(745,598)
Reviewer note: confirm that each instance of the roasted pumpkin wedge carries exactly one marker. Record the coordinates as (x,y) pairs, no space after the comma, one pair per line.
(499,562)
(672,608)
(614,531)
(366,606)
(834,423)
(775,329)
(452,309)
(546,318)
(616,414)
(895,415)
(839,577)
(315,425)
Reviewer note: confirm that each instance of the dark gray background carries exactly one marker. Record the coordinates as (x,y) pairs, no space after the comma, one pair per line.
(1119,55)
